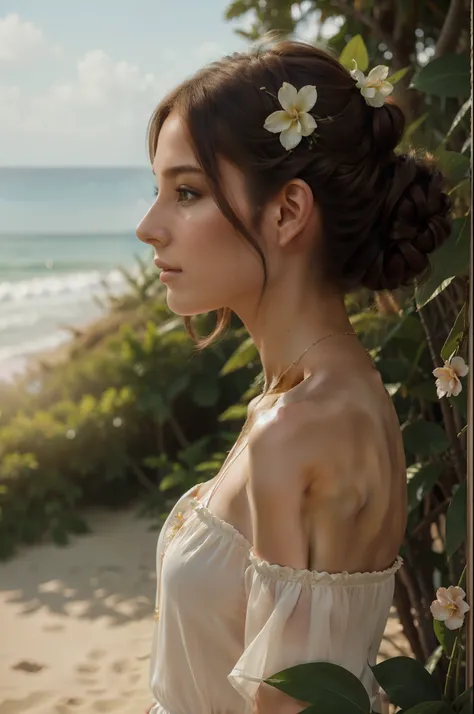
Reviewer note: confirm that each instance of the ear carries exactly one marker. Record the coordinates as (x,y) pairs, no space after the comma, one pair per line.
(295,210)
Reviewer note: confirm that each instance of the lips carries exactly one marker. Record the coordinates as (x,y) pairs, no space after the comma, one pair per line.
(166,266)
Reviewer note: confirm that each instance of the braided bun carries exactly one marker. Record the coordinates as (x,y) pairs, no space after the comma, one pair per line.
(414,222)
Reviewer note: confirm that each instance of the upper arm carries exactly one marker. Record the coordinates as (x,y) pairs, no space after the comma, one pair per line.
(307,445)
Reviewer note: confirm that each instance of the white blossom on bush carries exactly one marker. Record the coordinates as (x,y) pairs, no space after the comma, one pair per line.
(450,607)
(448,383)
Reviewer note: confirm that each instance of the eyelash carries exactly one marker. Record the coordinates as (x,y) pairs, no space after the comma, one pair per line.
(180,190)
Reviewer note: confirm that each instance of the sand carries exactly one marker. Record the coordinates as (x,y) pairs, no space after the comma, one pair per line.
(76,622)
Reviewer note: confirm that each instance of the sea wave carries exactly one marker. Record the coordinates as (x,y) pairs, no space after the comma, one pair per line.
(75,283)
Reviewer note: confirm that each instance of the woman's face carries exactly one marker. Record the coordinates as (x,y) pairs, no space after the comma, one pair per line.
(188,231)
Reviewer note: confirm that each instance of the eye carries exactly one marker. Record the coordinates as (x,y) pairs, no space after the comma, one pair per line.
(185,195)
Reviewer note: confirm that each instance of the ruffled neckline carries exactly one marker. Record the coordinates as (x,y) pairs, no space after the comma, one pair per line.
(273,571)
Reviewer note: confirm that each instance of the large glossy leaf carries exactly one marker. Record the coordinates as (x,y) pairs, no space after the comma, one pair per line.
(455,334)
(456,520)
(464,698)
(331,688)
(466,107)
(447,76)
(355,50)
(454,165)
(424,438)
(445,637)
(406,681)
(450,260)
(430,708)
(421,480)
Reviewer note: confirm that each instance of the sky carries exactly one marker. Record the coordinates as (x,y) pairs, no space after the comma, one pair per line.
(79,78)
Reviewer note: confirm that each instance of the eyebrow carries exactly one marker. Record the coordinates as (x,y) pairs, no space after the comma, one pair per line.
(174,171)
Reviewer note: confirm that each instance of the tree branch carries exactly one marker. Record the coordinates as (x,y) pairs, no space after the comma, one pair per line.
(449,35)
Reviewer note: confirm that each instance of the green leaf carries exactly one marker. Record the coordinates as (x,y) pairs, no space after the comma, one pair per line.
(454,336)
(411,128)
(355,50)
(421,480)
(425,438)
(464,698)
(246,352)
(458,118)
(397,76)
(430,708)
(454,165)
(456,520)
(433,659)
(406,681)
(447,76)
(331,688)
(445,637)
(450,260)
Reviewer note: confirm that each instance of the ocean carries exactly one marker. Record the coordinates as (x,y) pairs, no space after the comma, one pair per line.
(62,232)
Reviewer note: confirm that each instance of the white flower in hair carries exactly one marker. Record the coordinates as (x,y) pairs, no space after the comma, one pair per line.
(293,122)
(374,88)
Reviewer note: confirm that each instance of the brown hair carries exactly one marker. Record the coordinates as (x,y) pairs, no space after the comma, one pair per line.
(382,213)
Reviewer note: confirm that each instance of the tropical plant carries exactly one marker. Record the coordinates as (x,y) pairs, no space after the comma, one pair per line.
(413,336)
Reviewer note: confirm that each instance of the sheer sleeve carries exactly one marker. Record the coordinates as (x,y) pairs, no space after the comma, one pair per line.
(299,616)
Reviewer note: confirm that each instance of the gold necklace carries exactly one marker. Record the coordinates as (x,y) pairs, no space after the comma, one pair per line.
(180,517)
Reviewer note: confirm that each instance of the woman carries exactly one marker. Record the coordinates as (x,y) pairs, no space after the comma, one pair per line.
(279,192)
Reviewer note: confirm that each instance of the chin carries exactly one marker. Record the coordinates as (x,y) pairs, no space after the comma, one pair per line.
(185,308)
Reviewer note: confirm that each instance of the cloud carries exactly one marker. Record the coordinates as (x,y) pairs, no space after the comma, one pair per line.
(98,117)
(21,41)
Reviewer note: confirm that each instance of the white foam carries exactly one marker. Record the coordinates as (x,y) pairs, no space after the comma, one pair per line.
(39,287)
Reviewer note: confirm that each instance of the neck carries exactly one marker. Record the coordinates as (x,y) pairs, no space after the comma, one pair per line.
(287,322)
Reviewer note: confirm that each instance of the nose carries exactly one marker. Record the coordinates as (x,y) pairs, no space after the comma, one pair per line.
(149,231)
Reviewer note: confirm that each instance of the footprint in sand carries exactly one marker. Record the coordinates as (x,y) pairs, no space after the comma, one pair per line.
(17,706)
(120,666)
(96,692)
(134,678)
(96,654)
(87,668)
(106,705)
(28,666)
(65,706)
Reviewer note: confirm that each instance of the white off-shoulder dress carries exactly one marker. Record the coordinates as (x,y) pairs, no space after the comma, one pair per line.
(226,620)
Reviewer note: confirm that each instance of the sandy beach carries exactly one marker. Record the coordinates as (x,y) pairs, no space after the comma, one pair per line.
(76,622)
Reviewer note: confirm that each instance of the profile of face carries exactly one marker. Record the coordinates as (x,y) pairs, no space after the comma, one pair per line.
(188,231)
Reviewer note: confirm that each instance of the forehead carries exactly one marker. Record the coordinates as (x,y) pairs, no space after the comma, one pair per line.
(174,145)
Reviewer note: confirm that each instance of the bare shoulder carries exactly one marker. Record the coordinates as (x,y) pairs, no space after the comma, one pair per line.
(333,427)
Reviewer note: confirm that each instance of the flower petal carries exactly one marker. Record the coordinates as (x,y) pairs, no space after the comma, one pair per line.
(454,623)
(291,137)
(456,388)
(462,608)
(287,95)
(278,121)
(459,366)
(439,372)
(386,89)
(306,98)
(308,123)
(438,611)
(377,101)
(368,92)
(455,591)
(377,74)
(359,77)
